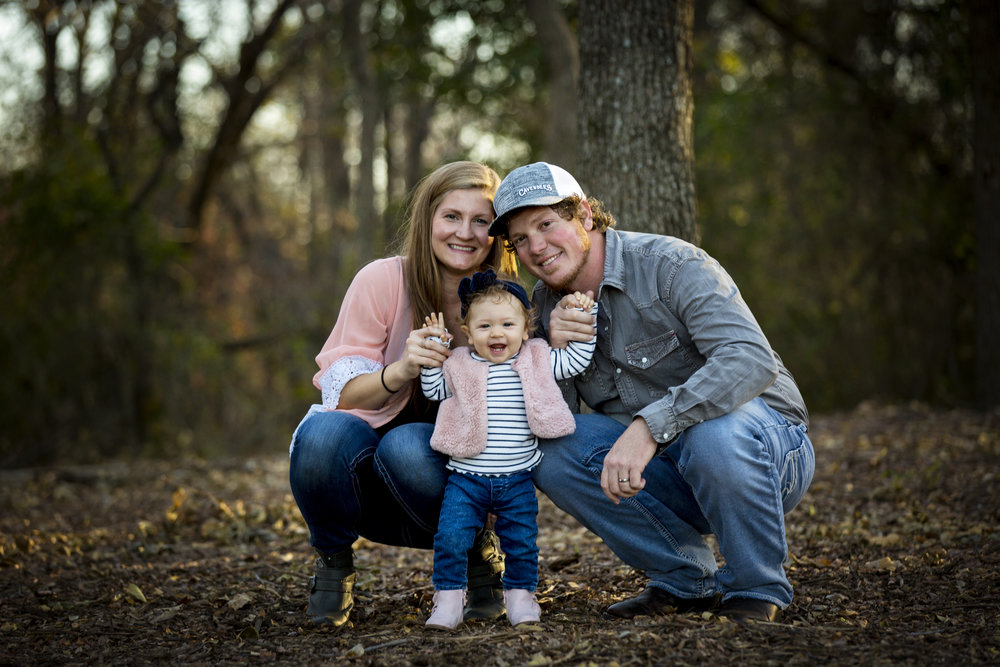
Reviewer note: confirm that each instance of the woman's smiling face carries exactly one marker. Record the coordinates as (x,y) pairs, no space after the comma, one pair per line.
(459,235)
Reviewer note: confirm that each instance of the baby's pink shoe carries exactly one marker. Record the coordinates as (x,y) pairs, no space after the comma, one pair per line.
(521,606)
(448,608)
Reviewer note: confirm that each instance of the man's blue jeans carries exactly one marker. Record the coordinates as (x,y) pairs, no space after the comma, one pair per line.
(467,499)
(348,481)
(735,476)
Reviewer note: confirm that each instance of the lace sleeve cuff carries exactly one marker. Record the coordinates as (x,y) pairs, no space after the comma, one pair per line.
(341,372)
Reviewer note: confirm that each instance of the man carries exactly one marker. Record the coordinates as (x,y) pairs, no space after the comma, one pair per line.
(699,428)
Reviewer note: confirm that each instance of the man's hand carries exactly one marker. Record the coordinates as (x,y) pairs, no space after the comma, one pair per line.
(623,465)
(568,324)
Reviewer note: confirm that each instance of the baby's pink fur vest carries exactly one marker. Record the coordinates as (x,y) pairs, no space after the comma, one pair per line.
(461,422)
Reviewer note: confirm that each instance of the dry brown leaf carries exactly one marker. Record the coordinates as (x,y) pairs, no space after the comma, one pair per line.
(885,564)
(135,592)
(166,614)
(239,601)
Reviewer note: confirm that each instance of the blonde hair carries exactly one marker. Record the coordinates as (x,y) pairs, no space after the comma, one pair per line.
(422,270)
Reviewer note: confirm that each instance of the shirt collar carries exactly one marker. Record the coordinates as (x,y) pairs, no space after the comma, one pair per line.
(476,356)
(614,260)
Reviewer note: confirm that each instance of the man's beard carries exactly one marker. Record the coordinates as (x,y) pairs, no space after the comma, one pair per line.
(564,286)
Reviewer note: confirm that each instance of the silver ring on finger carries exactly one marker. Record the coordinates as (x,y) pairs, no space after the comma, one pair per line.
(623,481)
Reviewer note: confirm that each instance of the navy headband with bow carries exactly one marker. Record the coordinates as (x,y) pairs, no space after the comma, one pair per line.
(480,281)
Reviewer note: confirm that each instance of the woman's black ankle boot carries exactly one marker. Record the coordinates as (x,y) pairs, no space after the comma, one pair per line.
(331,589)
(485,575)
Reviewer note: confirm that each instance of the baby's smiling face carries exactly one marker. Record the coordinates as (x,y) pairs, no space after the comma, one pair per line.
(496,327)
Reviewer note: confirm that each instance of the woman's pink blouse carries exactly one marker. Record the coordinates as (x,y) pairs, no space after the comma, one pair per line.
(371,330)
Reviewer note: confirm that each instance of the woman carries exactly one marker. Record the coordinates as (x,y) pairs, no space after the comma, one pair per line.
(361,463)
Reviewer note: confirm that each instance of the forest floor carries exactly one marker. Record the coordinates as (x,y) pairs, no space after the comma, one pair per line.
(895,560)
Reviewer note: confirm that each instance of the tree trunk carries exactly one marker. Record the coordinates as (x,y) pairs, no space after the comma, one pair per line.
(636,111)
(51,110)
(562,59)
(393,172)
(984,35)
(364,77)
(419,112)
(331,224)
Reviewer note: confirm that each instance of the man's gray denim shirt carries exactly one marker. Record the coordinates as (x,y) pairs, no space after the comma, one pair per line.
(676,343)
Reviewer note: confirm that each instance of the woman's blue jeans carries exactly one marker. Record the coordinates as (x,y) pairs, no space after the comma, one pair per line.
(349,482)
(735,476)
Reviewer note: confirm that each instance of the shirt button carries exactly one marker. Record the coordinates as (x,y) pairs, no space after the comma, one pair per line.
(618,370)
(644,360)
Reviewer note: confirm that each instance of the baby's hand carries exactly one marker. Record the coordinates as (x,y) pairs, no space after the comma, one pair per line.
(569,322)
(437,330)
(583,301)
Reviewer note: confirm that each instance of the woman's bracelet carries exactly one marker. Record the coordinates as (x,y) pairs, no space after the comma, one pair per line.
(382,377)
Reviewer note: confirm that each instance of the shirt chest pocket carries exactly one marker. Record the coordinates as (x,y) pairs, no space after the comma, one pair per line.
(646,353)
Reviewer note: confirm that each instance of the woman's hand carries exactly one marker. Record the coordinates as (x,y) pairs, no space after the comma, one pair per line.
(421,350)
(568,323)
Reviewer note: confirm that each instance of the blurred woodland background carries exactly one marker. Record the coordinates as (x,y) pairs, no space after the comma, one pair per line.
(187,187)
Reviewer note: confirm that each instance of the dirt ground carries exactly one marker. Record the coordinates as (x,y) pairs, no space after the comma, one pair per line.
(895,560)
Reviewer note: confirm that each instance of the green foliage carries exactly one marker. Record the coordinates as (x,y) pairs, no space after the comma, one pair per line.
(68,255)
(841,203)
(104,352)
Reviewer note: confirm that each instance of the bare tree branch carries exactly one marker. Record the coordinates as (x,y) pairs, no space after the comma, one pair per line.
(244,100)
